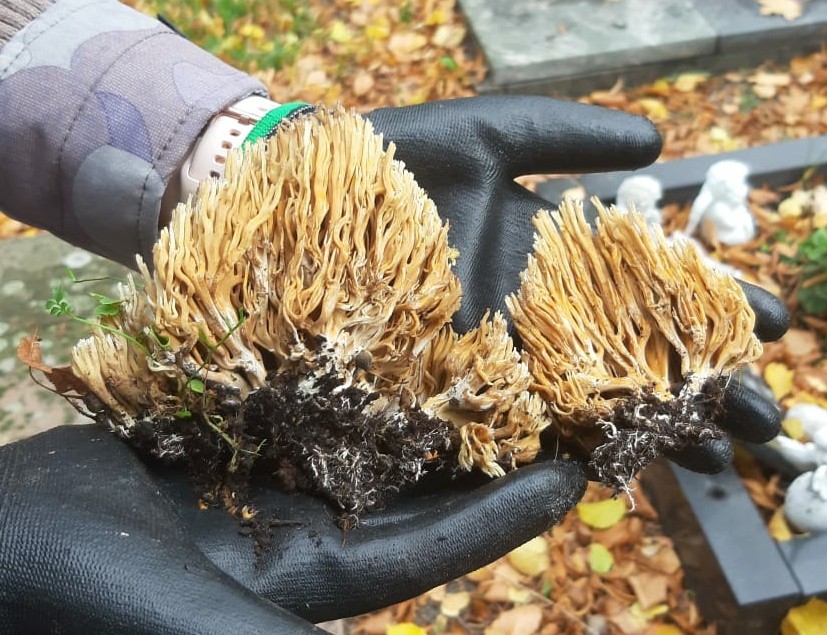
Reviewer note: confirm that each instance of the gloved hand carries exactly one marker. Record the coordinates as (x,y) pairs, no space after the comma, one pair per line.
(92,540)
(466,154)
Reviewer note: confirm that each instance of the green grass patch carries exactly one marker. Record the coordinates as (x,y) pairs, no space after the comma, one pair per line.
(250,34)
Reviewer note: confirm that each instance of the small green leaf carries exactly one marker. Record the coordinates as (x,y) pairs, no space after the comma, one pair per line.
(202,337)
(107,309)
(71,275)
(105,299)
(196,385)
(448,63)
(600,558)
(183,413)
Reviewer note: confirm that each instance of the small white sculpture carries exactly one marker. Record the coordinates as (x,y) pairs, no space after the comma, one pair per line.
(805,504)
(721,210)
(643,193)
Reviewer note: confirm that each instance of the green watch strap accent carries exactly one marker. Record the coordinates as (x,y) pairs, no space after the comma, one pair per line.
(269,122)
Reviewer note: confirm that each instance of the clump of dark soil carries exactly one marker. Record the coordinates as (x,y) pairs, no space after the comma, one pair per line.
(643,427)
(304,433)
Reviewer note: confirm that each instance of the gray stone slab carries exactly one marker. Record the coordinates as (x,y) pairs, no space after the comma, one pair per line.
(741,26)
(29,269)
(531,40)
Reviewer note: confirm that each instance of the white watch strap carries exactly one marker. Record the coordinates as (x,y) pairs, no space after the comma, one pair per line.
(226,131)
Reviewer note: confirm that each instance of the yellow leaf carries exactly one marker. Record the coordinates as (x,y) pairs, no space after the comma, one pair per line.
(647,614)
(251,32)
(601,559)
(339,32)
(453,603)
(602,514)
(530,558)
(660,87)
(655,109)
(779,378)
(808,619)
(793,428)
(687,82)
(818,102)
(405,628)
(436,17)
(790,207)
(778,527)
(666,629)
(379,29)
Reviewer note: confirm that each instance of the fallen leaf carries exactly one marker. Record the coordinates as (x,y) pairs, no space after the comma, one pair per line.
(649,588)
(779,378)
(788,9)
(405,628)
(362,83)
(600,558)
(666,629)
(403,44)
(800,343)
(793,428)
(655,109)
(602,514)
(688,82)
(28,352)
(530,558)
(521,620)
(454,603)
(778,527)
(448,36)
(374,624)
(808,619)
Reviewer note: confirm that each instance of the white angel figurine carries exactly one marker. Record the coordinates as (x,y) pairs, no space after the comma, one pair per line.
(643,193)
(721,210)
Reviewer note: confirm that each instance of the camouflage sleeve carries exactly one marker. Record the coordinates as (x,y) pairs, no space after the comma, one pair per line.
(99,105)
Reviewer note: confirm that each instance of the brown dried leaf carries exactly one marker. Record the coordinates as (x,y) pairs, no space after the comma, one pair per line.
(650,588)
(521,620)
(28,352)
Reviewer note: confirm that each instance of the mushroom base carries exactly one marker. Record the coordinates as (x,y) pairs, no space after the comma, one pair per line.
(301,432)
(642,427)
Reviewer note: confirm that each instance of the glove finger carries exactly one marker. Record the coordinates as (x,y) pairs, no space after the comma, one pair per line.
(415,545)
(536,135)
(771,316)
(710,457)
(88,544)
(748,416)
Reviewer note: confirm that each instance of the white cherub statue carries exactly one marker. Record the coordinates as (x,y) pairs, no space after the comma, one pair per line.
(805,504)
(643,193)
(721,206)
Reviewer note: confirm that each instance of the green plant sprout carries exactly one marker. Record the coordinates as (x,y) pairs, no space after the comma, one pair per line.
(198,384)
(812,258)
(58,305)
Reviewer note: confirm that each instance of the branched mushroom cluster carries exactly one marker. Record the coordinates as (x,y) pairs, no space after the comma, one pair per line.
(627,334)
(296,316)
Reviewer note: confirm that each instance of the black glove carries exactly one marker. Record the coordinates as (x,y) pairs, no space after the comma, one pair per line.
(94,541)
(466,154)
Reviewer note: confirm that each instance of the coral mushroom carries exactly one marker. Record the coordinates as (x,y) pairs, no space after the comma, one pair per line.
(626,336)
(295,320)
